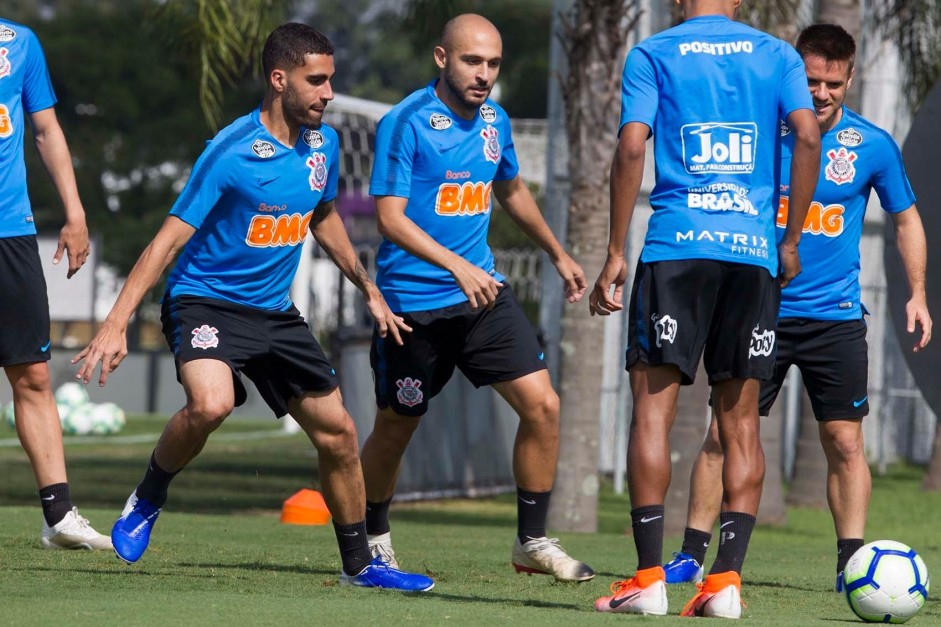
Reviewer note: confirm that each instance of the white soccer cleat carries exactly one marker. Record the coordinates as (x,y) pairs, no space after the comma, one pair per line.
(644,593)
(719,596)
(380,545)
(73,532)
(544,556)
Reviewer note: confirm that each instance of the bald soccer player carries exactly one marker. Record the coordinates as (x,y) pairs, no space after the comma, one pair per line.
(439,155)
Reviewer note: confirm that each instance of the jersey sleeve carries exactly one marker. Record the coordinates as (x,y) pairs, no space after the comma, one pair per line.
(508,167)
(206,185)
(794,92)
(333,174)
(395,152)
(890,180)
(37,86)
(639,91)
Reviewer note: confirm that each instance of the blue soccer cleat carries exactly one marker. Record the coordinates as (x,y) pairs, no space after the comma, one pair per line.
(130,534)
(379,574)
(683,568)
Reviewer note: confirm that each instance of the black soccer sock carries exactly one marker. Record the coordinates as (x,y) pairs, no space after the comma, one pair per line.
(377,517)
(844,551)
(531,511)
(734,533)
(695,543)
(647,523)
(153,487)
(354,548)
(56,502)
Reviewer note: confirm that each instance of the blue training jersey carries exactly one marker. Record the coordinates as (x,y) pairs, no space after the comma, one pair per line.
(250,199)
(445,166)
(712,91)
(856,157)
(25,88)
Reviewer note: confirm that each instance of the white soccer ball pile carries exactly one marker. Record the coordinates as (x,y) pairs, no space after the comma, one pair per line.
(77,414)
(885,582)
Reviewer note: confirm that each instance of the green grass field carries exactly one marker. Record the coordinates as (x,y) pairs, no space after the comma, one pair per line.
(219,555)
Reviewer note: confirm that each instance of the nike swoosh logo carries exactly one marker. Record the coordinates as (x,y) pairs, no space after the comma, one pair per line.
(262,183)
(527,501)
(48,498)
(646,520)
(726,524)
(860,402)
(540,356)
(350,535)
(46,346)
(619,602)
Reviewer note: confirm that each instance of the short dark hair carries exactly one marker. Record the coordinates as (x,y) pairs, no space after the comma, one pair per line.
(829,41)
(287,45)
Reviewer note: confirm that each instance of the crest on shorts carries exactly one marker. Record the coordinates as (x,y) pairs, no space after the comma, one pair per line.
(841,169)
(488,114)
(762,343)
(491,144)
(849,137)
(5,66)
(205,337)
(262,148)
(439,121)
(6,34)
(409,393)
(317,163)
(665,328)
(313,138)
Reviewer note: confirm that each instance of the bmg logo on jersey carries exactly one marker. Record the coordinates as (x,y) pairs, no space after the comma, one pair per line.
(719,147)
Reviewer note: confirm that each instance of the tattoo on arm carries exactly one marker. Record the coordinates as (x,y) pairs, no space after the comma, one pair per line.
(362,277)
(321,211)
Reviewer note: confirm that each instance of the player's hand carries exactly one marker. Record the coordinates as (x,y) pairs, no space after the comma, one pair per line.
(602,301)
(789,262)
(573,276)
(73,238)
(387,322)
(916,313)
(108,347)
(479,287)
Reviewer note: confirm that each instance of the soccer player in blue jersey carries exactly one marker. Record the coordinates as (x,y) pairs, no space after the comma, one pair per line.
(26,92)
(712,92)
(820,324)
(439,155)
(239,226)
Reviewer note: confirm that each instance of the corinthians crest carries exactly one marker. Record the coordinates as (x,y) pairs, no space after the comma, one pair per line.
(318,171)
(491,144)
(840,169)
(409,393)
(205,337)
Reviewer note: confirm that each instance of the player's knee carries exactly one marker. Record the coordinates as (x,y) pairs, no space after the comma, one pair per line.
(207,414)
(846,447)
(338,441)
(545,412)
(35,379)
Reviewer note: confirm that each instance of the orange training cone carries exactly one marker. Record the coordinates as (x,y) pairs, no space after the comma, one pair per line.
(305,507)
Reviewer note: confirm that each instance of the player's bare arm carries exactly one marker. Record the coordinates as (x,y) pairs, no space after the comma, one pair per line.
(518,202)
(913,248)
(109,346)
(479,287)
(627,173)
(54,152)
(327,228)
(805,166)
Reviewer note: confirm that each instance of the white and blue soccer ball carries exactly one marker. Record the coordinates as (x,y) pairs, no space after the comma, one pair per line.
(71,394)
(79,420)
(107,418)
(885,582)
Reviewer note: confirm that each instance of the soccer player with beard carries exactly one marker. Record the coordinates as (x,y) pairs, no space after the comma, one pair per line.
(820,327)
(239,224)
(712,93)
(439,155)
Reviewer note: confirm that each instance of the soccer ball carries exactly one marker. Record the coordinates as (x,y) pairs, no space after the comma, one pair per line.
(107,418)
(71,394)
(885,582)
(8,417)
(79,420)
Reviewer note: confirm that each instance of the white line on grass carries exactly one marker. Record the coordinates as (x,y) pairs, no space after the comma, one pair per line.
(152,437)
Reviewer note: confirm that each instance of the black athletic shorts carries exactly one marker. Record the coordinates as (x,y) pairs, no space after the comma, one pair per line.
(24,306)
(274,349)
(833,360)
(722,311)
(487,345)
